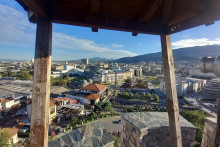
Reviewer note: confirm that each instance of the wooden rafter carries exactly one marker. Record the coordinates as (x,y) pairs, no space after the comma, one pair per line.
(167,11)
(207,17)
(150,12)
(37,7)
(104,23)
(95,7)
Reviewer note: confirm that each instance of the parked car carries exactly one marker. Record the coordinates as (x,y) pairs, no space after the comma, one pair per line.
(24,129)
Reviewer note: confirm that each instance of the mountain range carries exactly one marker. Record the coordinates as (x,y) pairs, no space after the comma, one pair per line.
(182,54)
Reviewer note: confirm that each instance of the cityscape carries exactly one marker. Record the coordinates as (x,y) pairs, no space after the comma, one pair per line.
(109,94)
(99,91)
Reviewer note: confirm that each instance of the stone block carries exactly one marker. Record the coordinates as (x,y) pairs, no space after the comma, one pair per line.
(152,143)
(131,144)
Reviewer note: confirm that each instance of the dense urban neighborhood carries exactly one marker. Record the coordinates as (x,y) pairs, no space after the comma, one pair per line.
(85,92)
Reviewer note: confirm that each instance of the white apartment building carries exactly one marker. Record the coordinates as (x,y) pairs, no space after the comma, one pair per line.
(185,85)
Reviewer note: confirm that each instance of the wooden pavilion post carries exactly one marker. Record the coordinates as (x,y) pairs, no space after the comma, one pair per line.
(217,136)
(170,83)
(41,87)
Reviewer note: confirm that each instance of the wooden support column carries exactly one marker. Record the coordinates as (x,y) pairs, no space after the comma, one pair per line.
(41,87)
(170,83)
(217,137)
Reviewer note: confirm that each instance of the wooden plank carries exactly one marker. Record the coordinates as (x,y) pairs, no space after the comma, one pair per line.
(170,82)
(150,12)
(41,87)
(95,29)
(167,11)
(95,7)
(36,6)
(207,17)
(217,137)
(111,24)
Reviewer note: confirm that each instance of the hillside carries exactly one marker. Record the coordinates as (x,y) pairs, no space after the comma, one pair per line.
(182,54)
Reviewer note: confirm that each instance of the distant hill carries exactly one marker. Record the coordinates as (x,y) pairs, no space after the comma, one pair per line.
(182,54)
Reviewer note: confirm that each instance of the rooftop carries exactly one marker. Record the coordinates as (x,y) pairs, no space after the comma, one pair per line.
(94,87)
(92,134)
(93,97)
(143,121)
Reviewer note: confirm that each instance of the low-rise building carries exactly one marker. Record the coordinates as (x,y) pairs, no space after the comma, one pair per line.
(52,111)
(60,101)
(93,98)
(13,135)
(185,85)
(94,89)
(6,103)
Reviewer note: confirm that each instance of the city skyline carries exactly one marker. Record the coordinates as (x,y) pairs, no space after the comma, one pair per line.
(17,39)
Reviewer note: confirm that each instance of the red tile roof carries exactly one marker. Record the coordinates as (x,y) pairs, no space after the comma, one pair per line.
(94,87)
(60,99)
(4,100)
(11,131)
(51,103)
(93,97)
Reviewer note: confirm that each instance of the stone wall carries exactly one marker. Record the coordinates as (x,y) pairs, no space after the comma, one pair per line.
(209,132)
(154,133)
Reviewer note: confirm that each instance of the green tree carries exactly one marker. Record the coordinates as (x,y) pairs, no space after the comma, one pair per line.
(5,74)
(131,95)
(143,95)
(136,95)
(156,98)
(149,96)
(126,94)
(4,138)
(196,117)
(107,106)
(128,80)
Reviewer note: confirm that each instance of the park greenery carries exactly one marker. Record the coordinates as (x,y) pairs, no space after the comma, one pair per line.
(101,110)
(138,108)
(4,138)
(60,81)
(196,117)
(137,96)
(117,140)
(21,75)
(65,80)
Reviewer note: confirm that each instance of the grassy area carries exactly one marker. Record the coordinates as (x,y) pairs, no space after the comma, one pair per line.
(117,141)
(79,121)
(196,117)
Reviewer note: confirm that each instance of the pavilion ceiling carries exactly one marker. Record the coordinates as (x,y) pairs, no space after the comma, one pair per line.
(136,16)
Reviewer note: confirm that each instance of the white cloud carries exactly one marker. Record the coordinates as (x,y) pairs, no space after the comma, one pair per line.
(61,40)
(14,27)
(15,30)
(115,45)
(195,42)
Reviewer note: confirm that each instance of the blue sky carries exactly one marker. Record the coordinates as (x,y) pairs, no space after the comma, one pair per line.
(17,38)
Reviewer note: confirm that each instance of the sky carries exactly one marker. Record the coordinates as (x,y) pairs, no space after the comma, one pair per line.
(17,38)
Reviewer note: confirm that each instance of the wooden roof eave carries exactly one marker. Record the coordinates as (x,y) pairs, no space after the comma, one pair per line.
(204,18)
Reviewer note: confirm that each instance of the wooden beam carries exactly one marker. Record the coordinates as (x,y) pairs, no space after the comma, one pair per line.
(37,7)
(207,17)
(134,34)
(95,7)
(217,136)
(170,82)
(111,24)
(150,12)
(95,29)
(167,11)
(41,87)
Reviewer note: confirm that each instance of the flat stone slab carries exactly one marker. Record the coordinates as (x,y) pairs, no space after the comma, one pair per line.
(90,135)
(152,120)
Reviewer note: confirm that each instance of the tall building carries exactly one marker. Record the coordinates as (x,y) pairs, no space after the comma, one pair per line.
(85,61)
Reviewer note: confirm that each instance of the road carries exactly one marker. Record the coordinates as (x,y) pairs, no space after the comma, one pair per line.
(195,102)
(110,124)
